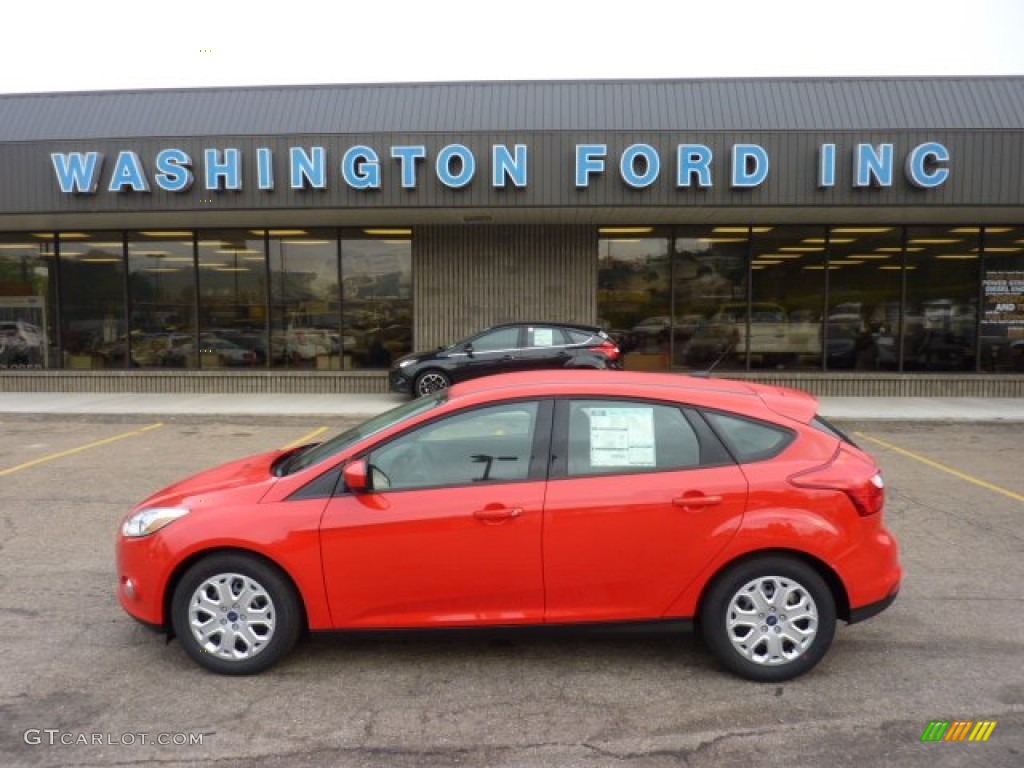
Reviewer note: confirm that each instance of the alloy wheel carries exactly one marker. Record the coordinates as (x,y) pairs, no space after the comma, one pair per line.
(772,620)
(231,616)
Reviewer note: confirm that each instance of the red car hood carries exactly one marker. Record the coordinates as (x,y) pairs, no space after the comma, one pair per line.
(247,479)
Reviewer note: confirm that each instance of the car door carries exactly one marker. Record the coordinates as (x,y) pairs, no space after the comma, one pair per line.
(642,496)
(494,351)
(450,534)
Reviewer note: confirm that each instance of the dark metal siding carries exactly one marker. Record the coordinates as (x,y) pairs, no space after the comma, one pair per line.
(701,105)
(467,278)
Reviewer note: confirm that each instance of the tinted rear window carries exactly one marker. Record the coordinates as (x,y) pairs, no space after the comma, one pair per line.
(749,439)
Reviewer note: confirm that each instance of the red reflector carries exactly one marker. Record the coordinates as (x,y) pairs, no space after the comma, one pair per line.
(854,475)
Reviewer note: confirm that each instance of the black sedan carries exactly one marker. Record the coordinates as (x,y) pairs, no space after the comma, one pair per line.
(504,349)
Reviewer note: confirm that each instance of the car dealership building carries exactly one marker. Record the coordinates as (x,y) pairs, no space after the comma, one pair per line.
(852,236)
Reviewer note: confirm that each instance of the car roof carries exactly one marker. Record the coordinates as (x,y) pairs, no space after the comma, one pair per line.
(547,323)
(740,396)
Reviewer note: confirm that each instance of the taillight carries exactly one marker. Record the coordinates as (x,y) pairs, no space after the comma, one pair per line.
(608,349)
(855,476)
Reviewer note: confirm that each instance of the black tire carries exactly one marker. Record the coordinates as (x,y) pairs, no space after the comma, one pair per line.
(236,643)
(783,646)
(430,381)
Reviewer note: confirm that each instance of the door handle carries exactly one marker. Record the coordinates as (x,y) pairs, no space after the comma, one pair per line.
(497,514)
(696,501)
(507,357)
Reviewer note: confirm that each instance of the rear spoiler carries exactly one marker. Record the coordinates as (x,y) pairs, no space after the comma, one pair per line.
(793,403)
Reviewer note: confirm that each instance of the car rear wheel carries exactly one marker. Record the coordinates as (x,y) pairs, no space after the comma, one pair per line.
(429,382)
(235,615)
(769,619)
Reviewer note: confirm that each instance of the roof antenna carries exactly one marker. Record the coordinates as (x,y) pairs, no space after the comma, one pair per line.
(706,373)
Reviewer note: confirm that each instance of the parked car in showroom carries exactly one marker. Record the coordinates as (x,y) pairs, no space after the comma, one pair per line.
(505,348)
(567,499)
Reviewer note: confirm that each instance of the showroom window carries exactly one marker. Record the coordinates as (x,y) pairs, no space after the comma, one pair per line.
(304,299)
(633,294)
(865,280)
(232,301)
(787,274)
(376,296)
(162,298)
(1002,291)
(709,295)
(94,328)
(940,315)
(28,301)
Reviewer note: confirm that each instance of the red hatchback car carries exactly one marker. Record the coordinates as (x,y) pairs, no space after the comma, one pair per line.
(548,498)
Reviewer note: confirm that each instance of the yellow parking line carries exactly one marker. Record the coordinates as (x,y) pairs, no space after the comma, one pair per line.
(306,439)
(943,467)
(81,448)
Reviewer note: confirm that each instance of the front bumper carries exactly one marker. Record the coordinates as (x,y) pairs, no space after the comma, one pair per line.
(399,382)
(141,575)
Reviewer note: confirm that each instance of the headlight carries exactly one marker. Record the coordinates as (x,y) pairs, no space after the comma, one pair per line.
(150,521)
(404,363)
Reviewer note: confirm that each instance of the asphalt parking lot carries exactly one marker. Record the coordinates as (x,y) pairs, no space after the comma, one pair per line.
(75,667)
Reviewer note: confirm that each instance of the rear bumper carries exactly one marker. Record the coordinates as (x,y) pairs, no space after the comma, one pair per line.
(872,609)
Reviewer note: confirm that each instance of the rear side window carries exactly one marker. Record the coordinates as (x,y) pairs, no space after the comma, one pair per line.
(621,436)
(544,337)
(749,439)
(578,337)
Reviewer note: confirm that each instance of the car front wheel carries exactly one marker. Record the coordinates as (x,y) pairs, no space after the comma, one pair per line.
(235,614)
(429,382)
(769,619)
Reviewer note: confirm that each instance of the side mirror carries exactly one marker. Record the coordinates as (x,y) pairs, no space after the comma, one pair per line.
(356,476)
(468,347)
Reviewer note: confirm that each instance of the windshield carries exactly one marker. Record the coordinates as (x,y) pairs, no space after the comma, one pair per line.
(317,453)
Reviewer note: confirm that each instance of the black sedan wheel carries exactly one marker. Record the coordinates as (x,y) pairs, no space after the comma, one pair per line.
(235,615)
(769,619)
(429,382)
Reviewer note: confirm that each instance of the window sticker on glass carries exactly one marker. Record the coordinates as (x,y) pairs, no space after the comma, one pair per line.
(543,337)
(621,437)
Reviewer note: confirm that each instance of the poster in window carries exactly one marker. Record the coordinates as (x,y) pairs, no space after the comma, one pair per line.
(622,437)
(1004,302)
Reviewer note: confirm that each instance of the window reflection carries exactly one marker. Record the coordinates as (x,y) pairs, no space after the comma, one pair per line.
(376,298)
(633,298)
(940,318)
(94,330)
(304,299)
(162,292)
(709,279)
(27,301)
(232,302)
(864,297)
(788,296)
(1002,327)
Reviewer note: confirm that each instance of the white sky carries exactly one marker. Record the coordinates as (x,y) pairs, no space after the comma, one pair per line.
(68,45)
